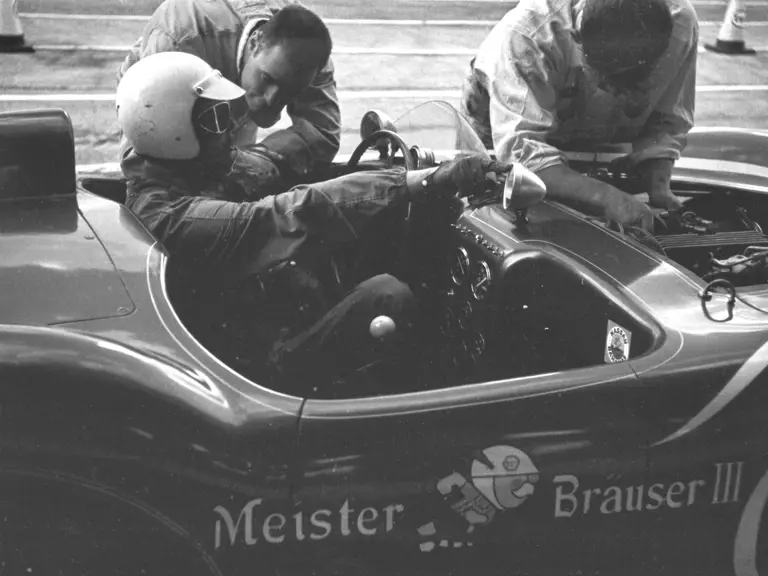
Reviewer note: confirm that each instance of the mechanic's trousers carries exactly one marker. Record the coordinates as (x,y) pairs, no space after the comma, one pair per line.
(339,350)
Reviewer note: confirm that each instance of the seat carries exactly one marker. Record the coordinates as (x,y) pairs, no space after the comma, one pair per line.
(111,188)
(37,154)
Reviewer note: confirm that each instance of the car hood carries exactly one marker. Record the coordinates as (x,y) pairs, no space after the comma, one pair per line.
(53,267)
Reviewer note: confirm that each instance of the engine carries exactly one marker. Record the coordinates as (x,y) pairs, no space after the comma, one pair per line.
(713,236)
(713,242)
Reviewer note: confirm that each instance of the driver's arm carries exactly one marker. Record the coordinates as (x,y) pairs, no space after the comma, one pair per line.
(257,235)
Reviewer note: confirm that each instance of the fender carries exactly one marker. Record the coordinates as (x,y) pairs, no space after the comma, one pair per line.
(169,539)
(30,351)
(158,443)
(730,144)
(75,415)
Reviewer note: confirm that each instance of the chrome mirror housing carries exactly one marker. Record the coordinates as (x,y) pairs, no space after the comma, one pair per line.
(522,189)
(373,121)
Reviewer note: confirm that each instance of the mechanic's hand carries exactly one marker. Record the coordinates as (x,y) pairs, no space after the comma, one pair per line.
(257,173)
(622,208)
(664,199)
(466,175)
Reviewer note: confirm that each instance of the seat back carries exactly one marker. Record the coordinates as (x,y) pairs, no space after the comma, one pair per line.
(111,188)
(37,154)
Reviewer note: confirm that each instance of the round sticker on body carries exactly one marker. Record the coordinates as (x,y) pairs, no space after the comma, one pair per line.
(617,343)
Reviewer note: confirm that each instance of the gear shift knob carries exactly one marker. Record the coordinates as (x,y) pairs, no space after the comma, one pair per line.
(382,326)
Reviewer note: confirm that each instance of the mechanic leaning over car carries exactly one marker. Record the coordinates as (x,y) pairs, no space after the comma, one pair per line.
(178,114)
(557,75)
(279,52)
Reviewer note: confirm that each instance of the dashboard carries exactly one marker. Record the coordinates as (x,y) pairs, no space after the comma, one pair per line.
(466,304)
(501,308)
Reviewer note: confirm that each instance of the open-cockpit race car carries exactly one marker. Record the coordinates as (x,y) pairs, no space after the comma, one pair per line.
(590,399)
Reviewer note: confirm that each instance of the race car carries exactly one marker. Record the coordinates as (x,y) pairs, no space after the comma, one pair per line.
(591,399)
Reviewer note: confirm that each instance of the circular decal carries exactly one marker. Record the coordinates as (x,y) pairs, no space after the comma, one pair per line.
(617,343)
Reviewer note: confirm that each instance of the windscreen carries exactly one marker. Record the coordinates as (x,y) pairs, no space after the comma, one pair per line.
(439,126)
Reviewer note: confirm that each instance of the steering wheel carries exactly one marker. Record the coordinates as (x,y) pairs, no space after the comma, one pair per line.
(375,137)
(410,164)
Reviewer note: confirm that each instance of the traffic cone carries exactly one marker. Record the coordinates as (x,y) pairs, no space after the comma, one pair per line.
(730,39)
(11,33)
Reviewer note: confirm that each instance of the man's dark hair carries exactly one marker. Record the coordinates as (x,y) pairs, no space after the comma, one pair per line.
(295,22)
(625,38)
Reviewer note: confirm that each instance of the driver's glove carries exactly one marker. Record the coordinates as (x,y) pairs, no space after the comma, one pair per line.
(465,176)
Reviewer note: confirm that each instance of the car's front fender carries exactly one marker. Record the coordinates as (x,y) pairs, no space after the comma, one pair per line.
(728,144)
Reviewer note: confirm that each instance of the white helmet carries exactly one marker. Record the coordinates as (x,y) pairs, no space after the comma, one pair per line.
(155,99)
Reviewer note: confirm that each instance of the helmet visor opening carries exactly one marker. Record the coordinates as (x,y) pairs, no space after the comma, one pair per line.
(218,117)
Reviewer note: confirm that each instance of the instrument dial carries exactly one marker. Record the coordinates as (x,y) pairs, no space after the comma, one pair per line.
(461,356)
(480,280)
(447,322)
(465,315)
(459,266)
(477,347)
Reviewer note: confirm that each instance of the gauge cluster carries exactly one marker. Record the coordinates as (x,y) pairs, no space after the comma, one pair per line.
(470,277)
(474,274)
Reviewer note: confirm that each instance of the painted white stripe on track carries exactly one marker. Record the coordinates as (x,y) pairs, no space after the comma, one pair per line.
(331,21)
(733,88)
(724,4)
(352,51)
(745,375)
(343,95)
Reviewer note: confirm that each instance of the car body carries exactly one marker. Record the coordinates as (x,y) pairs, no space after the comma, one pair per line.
(589,412)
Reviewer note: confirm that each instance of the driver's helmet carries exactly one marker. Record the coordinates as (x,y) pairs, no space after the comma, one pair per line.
(155,100)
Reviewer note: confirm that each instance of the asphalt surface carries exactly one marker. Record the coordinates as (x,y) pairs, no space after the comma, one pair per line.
(723,99)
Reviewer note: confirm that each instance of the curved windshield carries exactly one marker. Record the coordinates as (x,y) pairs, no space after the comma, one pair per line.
(439,126)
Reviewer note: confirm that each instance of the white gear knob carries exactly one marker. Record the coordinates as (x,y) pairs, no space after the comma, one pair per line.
(382,326)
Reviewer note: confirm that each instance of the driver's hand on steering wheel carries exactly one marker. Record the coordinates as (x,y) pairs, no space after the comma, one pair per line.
(465,176)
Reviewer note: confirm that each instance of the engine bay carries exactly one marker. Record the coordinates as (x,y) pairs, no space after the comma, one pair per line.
(715,238)
(716,235)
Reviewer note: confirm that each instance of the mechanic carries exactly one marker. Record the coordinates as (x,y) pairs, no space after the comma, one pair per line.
(556,75)
(177,113)
(279,52)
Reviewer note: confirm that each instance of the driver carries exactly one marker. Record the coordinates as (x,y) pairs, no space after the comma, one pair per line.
(555,75)
(177,113)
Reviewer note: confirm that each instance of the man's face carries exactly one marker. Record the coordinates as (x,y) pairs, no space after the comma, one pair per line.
(275,75)
(626,85)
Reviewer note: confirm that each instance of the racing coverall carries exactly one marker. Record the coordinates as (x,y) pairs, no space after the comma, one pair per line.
(188,207)
(530,96)
(217,31)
